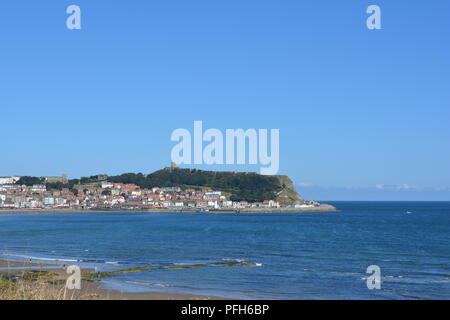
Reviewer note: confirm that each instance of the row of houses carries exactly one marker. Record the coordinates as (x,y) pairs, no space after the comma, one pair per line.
(118,195)
(48,179)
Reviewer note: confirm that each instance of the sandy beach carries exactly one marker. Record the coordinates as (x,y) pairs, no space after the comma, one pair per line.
(53,277)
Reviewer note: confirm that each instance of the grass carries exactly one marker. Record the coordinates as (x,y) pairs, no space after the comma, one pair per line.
(36,285)
(30,286)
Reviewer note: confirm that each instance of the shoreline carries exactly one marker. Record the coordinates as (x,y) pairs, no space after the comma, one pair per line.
(31,274)
(321,208)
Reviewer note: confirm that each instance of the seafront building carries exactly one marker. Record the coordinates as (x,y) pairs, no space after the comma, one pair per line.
(108,195)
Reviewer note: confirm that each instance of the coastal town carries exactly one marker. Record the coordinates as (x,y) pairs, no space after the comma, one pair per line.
(105,195)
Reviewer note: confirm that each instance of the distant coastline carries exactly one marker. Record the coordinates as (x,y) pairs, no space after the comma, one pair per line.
(320,208)
(171,189)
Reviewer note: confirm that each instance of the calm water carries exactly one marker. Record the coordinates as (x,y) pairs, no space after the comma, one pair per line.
(299,256)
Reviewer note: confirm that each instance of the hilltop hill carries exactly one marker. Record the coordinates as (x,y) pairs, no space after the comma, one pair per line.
(241,186)
(238,186)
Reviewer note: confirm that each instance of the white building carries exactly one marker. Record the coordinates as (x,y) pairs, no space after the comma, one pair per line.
(8,180)
(213,193)
(227,203)
(213,204)
(10,187)
(49,201)
(136,193)
(107,185)
(118,200)
(166,204)
(38,188)
(171,189)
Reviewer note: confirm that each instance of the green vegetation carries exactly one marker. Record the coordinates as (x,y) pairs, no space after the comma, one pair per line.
(236,186)
(241,186)
(37,285)
(37,275)
(92,179)
(139,269)
(59,185)
(29,181)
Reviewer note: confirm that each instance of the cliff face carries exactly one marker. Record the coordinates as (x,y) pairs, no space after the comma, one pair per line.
(288,195)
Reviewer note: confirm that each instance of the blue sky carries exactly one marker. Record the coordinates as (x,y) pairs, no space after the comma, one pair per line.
(357,109)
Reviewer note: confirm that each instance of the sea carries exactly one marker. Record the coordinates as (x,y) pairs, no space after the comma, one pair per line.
(250,256)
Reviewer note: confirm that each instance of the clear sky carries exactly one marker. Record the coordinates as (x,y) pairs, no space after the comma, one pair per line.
(359,110)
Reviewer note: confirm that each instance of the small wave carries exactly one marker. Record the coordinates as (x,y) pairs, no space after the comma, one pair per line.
(234,259)
(155,284)
(42,258)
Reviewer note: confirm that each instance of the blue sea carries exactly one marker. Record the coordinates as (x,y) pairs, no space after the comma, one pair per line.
(295,255)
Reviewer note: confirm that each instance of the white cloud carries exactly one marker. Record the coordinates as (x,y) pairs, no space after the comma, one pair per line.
(305,185)
(404,186)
